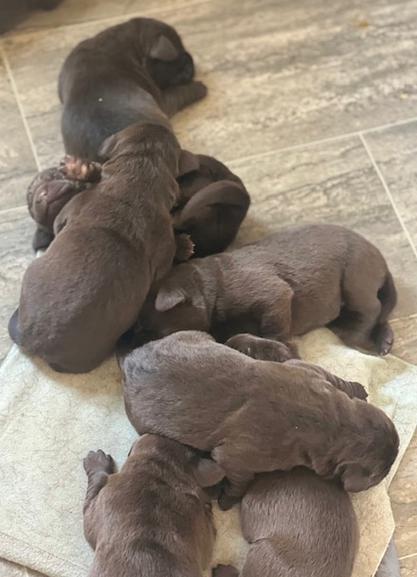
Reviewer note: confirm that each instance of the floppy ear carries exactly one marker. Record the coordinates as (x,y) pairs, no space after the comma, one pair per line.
(167,299)
(355,478)
(163,49)
(208,473)
(188,162)
(107,148)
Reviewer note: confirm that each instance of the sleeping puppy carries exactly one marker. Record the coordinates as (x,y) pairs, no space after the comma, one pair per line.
(113,240)
(132,72)
(153,519)
(298,525)
(287,284)
(256,416)
(12,12)
(213,202)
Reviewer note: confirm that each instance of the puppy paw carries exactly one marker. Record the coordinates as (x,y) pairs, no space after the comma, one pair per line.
(384,339)
(226,501)
(98,461)
(199,89)
(357,391)
(225,571)
(262,349)
(185,247)
(77,169)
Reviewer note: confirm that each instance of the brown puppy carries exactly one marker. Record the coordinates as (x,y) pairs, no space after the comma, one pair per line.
(213,200)
(298,525)
(256,416)
(294,281)
(114,240)
(137,71)
(153,519)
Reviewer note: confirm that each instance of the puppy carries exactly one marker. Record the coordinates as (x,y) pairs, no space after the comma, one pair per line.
(12,12)
(298,525)
(287,284)
(113,240)
(137,71)
(153,519)
(256,416)
(213,201)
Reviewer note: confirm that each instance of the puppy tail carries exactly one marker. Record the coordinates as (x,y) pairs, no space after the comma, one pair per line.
(13,327)
(387,294)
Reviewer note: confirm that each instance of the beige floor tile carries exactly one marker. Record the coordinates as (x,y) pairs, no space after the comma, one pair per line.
(409,566)
(16,231)
(405,344)
(336,183)
(8,569)
(403,493)
(17,164)
(395,151)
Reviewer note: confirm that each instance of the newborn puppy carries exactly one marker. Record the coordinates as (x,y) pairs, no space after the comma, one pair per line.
(137,71)
(12,12)
(298,525)
(256,416)
(113,240)
(213,200)
(284,285)
(153,519)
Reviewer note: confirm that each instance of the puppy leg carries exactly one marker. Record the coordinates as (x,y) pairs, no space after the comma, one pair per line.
(80,170)
(225,571)
(98,467)
(262,349)
(185,247)
(237,481)
(359,322)
(351,388)
(213,215)
(42,238)
(176,98)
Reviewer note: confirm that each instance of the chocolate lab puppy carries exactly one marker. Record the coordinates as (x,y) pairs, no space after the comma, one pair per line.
(12,12)
(213,201)
(137,71)
(153,519)
(113,241)
(256,416)
(294,281)
(298,525)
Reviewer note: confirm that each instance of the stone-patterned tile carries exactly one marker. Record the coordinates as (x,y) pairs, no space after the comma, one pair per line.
(330,182)
(403,493)
(17,164)
(405,344)
(282,73)
(395,151)
(16,230)
(77,11)
(409,566)
(8,569)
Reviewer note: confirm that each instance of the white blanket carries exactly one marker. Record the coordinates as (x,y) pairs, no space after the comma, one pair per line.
(49,421)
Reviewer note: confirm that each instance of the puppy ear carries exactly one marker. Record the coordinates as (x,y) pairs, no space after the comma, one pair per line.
(208,473)
(107,148)
(355,478)
(188,162)
(163,49)
(167,299)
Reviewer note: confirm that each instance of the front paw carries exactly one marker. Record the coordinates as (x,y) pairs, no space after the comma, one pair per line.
(98,461)
(83,170)
(262,349)
(185,247)
(199,88)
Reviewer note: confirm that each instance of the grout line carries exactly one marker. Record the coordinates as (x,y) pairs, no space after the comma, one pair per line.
(388,192)
(19,105)
(410,556)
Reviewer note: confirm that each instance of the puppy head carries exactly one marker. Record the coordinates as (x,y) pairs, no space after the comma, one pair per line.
(177,305)
(377,452)
(166,59)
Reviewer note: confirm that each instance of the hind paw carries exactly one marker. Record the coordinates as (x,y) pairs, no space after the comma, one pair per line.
(384,339)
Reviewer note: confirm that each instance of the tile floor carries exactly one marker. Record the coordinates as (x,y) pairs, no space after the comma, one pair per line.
(314,102)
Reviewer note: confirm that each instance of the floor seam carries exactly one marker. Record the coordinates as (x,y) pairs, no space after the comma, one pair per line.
(19,104)
(410,556)
(388,193)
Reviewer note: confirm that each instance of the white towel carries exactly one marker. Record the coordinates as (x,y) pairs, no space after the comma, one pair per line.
(49,421)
